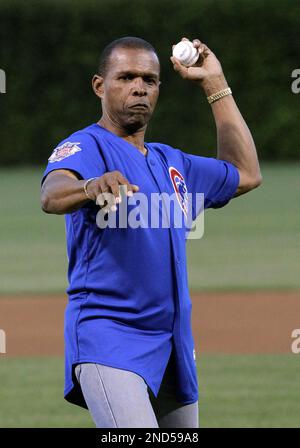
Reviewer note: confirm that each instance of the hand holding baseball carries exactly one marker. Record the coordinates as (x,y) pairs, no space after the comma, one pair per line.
(207,69)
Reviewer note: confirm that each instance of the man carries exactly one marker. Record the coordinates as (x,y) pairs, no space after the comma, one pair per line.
(130,355)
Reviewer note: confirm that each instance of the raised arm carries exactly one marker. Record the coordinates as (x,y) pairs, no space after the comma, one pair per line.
(234,139)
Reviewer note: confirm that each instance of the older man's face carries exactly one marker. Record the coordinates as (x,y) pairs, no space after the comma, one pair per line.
(131,87)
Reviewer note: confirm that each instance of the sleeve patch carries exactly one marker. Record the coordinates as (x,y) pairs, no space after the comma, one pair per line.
(63,151)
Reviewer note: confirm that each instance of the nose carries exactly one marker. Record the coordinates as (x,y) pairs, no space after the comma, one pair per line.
(138,87)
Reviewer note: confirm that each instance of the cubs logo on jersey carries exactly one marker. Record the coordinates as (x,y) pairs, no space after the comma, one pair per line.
(180,188)
(63,151)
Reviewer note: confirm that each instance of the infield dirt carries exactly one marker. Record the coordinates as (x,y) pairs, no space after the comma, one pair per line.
(256,322)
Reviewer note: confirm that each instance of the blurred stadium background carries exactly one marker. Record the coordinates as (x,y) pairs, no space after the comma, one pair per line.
(248,258)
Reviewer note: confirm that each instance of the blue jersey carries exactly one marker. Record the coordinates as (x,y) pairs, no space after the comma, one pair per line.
(129,305)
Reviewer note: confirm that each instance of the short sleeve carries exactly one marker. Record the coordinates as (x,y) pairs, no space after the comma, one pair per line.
(78,153)
(217,179)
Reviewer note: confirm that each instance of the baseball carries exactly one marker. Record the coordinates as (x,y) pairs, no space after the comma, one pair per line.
(186,53)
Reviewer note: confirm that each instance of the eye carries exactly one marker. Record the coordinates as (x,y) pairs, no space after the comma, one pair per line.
(150,80)
(126,77)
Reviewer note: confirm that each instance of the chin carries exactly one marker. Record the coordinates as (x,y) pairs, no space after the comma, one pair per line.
(136,122)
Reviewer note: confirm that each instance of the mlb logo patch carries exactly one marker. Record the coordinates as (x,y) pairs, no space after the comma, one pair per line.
(180,188)
(63,151)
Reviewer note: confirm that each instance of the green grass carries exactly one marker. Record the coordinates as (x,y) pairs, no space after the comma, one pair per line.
(31,392)
(235,391)
(33,255)
(258,391)
(253,242)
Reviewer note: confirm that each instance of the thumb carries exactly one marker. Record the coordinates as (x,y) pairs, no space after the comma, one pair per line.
(178,67)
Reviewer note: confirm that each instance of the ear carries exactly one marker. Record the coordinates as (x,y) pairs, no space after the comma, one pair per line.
(97,84)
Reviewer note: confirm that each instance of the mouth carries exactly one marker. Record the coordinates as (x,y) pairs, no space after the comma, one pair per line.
(140,106)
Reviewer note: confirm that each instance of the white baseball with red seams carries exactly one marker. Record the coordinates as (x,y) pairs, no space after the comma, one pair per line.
(186,53)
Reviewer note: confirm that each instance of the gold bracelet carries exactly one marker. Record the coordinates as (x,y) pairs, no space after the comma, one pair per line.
(217,96)
(86,184)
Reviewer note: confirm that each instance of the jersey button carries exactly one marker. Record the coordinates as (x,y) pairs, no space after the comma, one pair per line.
(152,162)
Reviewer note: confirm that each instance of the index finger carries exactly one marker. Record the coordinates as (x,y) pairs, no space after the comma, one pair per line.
(131,188)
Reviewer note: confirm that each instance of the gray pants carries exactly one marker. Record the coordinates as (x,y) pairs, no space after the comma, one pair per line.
(119,398)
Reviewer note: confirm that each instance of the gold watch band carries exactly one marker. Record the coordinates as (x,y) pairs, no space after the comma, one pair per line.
(218,95)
